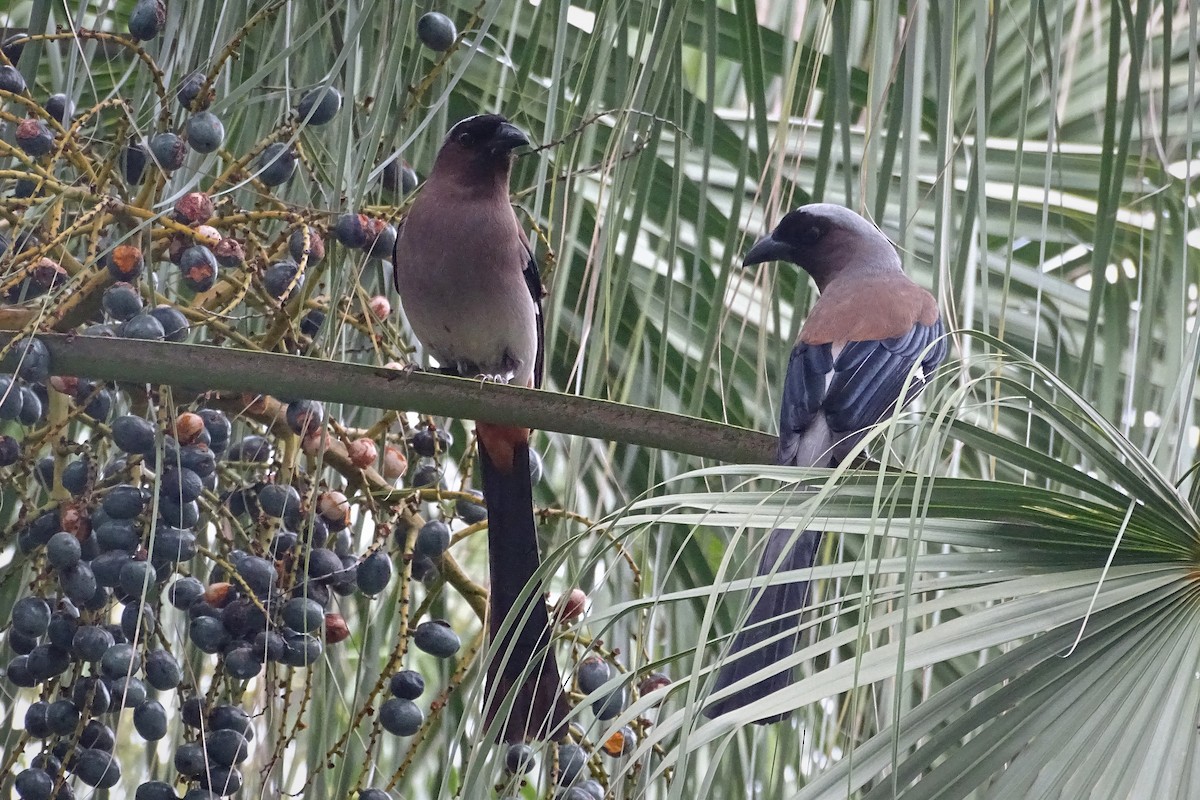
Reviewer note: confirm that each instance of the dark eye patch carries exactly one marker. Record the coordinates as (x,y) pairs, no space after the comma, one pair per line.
(477,130)
(800,229)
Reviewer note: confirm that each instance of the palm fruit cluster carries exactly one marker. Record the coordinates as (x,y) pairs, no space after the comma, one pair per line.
(180,563)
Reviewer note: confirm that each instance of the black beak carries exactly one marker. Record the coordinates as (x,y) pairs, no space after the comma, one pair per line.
(767,248)
(508,137)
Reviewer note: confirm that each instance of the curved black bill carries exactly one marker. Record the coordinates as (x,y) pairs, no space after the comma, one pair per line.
(767,248)
(508,137)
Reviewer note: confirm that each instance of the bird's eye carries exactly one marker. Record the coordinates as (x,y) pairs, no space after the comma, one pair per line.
(466,139)
(813,234)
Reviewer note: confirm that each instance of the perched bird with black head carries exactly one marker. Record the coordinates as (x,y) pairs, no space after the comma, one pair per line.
(471,291)
(871,325)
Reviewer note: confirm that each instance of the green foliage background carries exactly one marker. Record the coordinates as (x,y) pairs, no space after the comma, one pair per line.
(1019,622)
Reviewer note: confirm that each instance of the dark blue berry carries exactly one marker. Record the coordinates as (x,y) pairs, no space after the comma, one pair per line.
(208,634)
(315,249)
(174,323)
(63,717)
(469,512)
(432,539)
(63,550)
(323,564)
(437,638)
(280,501)
(133,435)
(79,583)
(124,502)
(147,19)
(303,614)
(305,416)
(407,684)
(609,706)
(118,534)
(162,671)
(11,80)
(374,573)
(10,450)
(61,108)
(34,360)
(155,790)
(91,695)
(180,484)
(120,660)
(259,575)
(184,592)
(229,717)
(205,132)
(75,476)
(282,278)
(436,31)
(107,567)
(592,673)
(254,449)
(242,663)
(31,616)
(571,762)
(310,324)
(133,162)
(168,150)
(224,781)
(128,692)
(37,723)
(300,649)
(171,545)
(276,164)
(398,177)
(121,301)
(199,269)
(226,747)
(34,784)
(427,476)
(352,230)
(91,642)
(47,661)
(190,759)
(429,442)
(143,326)
(35,137)
(518,759)
(190,93)
(319,106)
(19,674)
(31,407)
(400,717)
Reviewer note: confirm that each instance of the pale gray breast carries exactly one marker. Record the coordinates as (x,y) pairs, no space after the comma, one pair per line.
(463,291)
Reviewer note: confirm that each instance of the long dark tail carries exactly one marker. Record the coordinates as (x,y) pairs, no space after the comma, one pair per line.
(523,666)
(771,632)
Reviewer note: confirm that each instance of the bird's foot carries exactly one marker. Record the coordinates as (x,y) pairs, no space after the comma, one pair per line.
(493,378)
